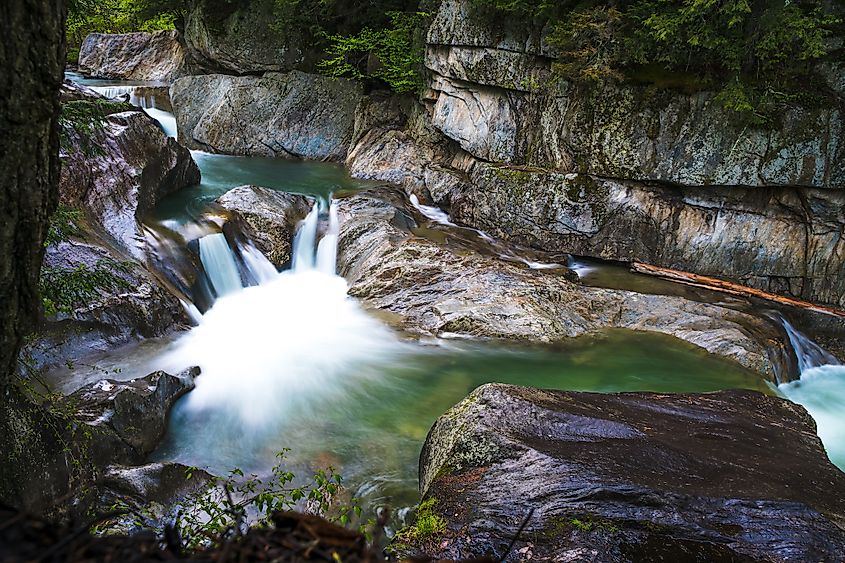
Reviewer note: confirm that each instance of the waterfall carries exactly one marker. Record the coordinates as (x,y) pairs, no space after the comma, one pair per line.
(327,249)
(260,269)
(295,341)
(219,264)
(113,92)
(165,119)
(304,242)
(821,390)
(809,353)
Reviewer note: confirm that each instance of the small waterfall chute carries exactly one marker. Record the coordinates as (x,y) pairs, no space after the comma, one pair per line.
(808,353)
(258,267)
(820,389)
(327,248)
(304,243)
(219,264)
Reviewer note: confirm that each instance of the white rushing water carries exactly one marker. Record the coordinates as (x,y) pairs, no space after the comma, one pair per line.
(219,264)
(821,390)
(288,344)
(165,119)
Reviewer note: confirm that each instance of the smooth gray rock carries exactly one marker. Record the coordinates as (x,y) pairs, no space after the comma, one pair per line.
(120,170)
(435,289)
(157,56)
(239,38)
(495,95)
(631,477)
(266,217)
(781,240)
(135,410)
(293,115)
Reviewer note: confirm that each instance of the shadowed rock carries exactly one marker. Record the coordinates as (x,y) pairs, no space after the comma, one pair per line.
(728,476)
(135,410)
(157,56)
(267,217)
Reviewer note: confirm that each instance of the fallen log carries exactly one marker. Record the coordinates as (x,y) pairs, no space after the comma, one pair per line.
(722,286)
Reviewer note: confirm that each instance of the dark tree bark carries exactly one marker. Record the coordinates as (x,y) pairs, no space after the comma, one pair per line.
(32,55)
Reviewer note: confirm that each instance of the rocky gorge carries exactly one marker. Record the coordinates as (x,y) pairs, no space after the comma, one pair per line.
(478,202)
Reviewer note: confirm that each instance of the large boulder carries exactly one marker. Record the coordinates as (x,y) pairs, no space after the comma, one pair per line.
(630,477)
(293,115)
(136,411)
(157,56)
(117,170)
(243,38)
(266,217)
(435,288)
(781,240)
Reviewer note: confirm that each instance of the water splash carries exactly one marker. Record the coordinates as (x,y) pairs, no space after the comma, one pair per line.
(821,390)
(288,345)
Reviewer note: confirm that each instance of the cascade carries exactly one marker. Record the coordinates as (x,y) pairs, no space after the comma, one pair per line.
(809,353)
(293,343)
(327,248)
(219,264)
(113,92)
(821,390)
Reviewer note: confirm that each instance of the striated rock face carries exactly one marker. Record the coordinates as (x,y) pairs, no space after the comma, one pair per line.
(267,217)
(494,96)
(631,477)
(158,56)
(119,172)
(293,115)
(434,289)
(780,240)
(238,38)
(136,411)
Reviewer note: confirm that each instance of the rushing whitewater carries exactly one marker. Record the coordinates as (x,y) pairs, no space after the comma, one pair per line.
(821,390)
(290,343)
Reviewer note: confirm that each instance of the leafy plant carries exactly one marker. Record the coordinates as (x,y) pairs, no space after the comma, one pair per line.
(64,289)
(393,54)
(64,223)
(220,513)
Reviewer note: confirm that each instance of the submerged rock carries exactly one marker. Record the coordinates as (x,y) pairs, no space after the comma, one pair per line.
(157,56)
(136,411)
(630,477)
(266,217)
(393,263)
(293,115)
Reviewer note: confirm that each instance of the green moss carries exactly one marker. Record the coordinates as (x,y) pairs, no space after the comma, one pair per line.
(427,525)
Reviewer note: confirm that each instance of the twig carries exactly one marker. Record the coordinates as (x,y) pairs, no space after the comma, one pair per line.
(518,533)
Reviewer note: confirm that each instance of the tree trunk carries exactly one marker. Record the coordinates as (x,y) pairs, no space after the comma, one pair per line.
(32,52)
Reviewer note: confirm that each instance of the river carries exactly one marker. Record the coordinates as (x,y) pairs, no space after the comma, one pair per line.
(294,363)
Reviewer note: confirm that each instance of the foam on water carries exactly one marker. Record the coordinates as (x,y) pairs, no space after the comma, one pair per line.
(287,344)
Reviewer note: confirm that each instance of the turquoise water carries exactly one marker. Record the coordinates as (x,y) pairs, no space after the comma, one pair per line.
(337,387)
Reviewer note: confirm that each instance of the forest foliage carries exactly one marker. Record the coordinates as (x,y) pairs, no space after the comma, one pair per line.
(754,52)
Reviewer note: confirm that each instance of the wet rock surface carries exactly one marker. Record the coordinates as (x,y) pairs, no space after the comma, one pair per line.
(727,476)
(120,171)
(494,96)
(293,115)
(266,217)
(136,411)
(157,56)
(393,263)
(780,240)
